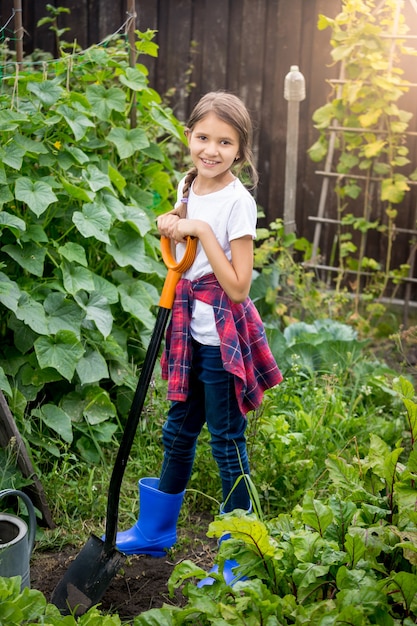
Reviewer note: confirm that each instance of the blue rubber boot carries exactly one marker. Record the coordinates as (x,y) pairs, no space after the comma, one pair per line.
(230,578)
(156,529)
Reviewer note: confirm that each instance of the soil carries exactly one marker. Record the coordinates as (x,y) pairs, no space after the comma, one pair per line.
(142,582)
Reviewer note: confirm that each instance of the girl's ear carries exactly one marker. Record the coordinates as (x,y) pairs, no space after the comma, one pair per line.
(187,133)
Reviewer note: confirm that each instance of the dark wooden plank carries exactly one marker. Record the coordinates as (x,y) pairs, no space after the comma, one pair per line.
(178,56)
(111,16)
(251,60)
(269,105)
(39,37)
(197,18)
(286,54)
(214,46)
(93,26)
(316,65)
(77,21)
(147,18)
(234,44)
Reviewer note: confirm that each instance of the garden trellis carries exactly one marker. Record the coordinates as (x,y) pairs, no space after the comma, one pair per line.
(365,146)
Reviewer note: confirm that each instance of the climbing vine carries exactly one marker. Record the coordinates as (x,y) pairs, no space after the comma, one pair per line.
(363,130)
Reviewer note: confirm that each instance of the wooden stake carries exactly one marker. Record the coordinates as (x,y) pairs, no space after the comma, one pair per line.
(132,53)
(17,5)
(10,437)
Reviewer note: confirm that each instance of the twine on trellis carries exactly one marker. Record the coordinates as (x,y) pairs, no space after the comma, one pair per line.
(125,29)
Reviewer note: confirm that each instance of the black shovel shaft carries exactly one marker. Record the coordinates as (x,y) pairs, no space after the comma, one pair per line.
(131,426)
(98,562)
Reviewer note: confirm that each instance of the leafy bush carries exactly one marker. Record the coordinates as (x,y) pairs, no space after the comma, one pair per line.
(334,394)
(347,556)
(79,260)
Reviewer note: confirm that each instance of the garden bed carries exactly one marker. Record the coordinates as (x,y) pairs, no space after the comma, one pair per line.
(142,584)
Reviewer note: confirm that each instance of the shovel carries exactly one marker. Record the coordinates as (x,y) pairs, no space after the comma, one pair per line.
(87,578)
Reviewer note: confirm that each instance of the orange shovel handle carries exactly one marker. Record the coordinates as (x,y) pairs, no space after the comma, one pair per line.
(175,269)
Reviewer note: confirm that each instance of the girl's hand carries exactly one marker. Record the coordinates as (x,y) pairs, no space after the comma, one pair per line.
(179,229)
(188,228)
(166,224)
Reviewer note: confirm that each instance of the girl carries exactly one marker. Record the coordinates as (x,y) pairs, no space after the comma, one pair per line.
(217,360)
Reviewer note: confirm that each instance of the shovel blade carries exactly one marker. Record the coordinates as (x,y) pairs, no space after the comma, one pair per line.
(87,578)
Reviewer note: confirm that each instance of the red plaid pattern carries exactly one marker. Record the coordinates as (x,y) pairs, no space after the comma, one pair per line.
(244,348)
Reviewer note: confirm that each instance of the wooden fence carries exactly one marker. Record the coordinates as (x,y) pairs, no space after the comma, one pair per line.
(247,47)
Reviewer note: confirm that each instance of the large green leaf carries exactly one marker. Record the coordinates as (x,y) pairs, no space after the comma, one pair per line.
(73,252)
(12,155)
(355,549)
(4,383)
(135,300)
(95,178)
(117,179)
(30,145)
(403,589)
(36,376)
(78,193)
(11,221)
(5,195)
(134,79)
(342,473)
(127,248)
(103,101)
(106,289)
(318,150)
(9,292)
(114,206)
(56,419)
(138,219)
(76,278)
(393,189)
(48,91)
(306,574)
(97,310)
(412,416)
(127,141)
(32,314)
(29,256)
(63,314)
(77,121)
(167,121)
(92,368)
(94,221)
(316,514)
(11,120)
(77,154)
(98,407)
(35,233)
(38,195)
(61,352)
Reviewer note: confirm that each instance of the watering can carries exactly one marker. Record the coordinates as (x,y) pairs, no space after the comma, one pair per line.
(16,540)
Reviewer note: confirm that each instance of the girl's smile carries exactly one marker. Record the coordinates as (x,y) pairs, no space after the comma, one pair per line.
(214,146)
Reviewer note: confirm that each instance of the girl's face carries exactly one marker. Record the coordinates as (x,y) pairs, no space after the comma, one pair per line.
(214,146)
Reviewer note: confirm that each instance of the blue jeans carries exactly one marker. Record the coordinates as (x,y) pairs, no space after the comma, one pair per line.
(212,399)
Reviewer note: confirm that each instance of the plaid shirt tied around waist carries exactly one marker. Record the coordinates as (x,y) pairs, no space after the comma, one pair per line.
(243,345)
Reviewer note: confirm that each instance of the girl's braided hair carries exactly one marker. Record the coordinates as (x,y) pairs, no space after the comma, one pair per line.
(231,110)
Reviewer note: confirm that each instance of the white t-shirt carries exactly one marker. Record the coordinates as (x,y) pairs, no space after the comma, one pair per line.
(231,213)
